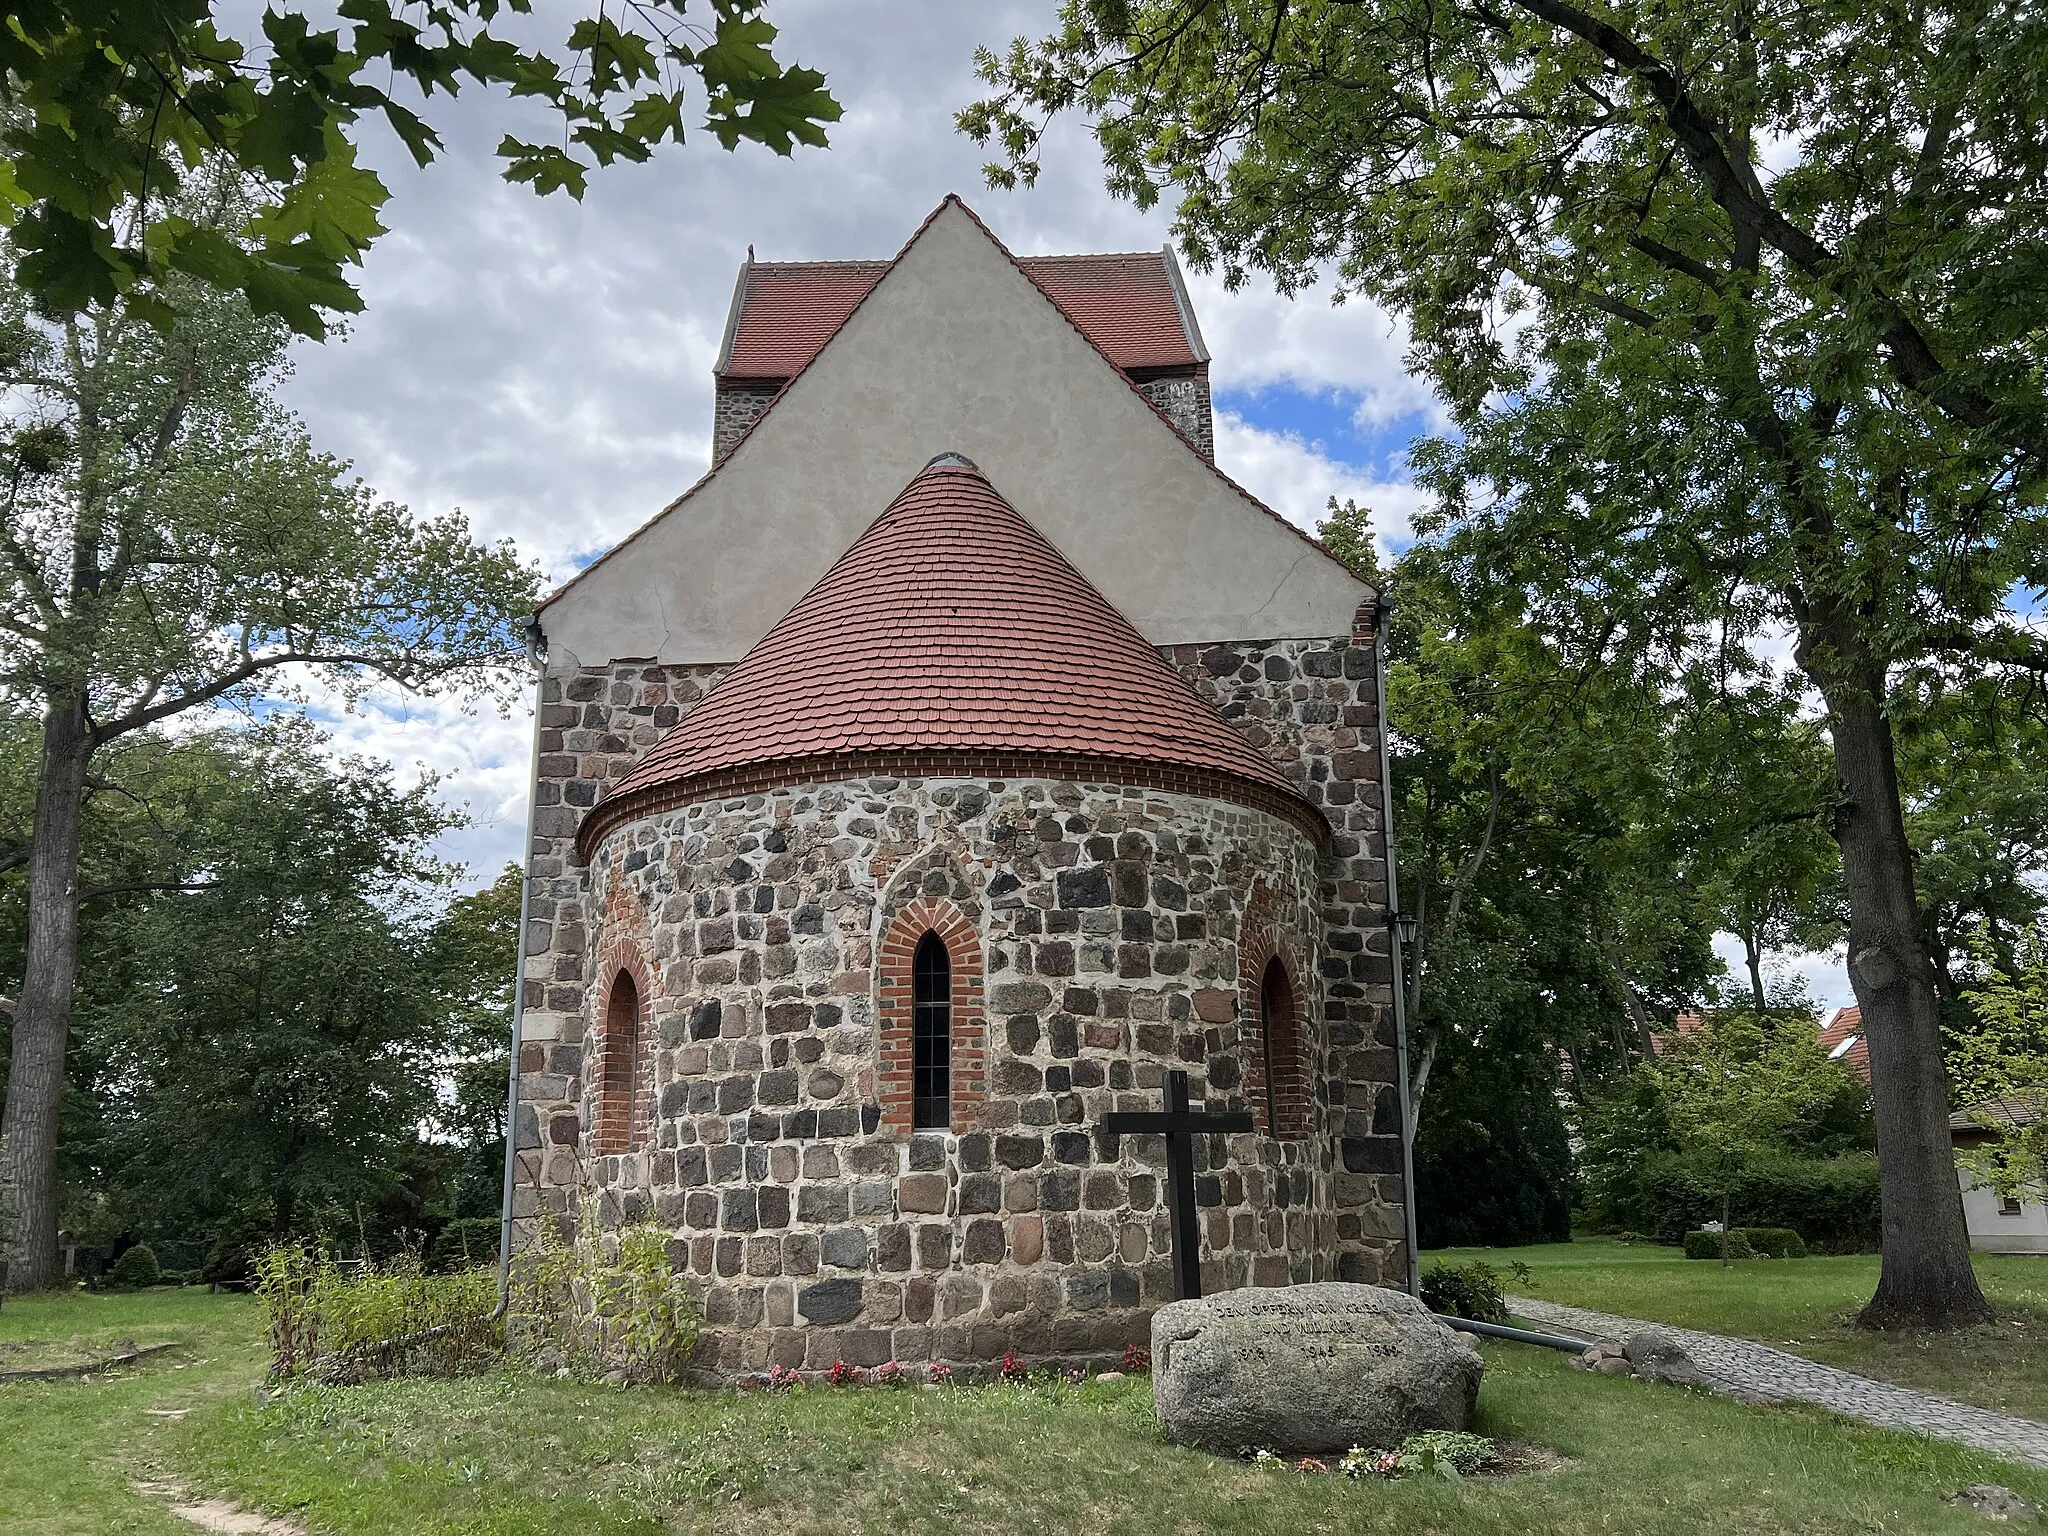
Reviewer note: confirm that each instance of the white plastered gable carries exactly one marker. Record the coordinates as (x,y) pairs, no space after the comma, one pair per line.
(954,350)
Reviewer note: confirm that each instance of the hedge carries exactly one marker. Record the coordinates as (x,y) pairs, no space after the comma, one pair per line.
(1747,1243)
(1831,1202)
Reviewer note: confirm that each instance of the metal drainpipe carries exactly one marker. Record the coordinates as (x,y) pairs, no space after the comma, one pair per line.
(533,657)
(1381,614)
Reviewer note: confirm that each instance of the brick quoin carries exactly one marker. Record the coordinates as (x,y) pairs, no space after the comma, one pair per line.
(967,1083)
(1257,947)
(624,1089)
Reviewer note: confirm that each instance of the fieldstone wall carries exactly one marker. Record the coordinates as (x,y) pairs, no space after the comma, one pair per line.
(1185,400)
(1111,933)
(736,408)
(595,723)
(1312,707)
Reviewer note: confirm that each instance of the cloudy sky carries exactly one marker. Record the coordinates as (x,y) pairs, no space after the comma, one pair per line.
(545,365)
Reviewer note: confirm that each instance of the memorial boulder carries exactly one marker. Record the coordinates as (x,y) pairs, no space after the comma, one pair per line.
(1309,1369)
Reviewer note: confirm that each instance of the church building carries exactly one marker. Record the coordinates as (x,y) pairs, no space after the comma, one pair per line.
(961,754)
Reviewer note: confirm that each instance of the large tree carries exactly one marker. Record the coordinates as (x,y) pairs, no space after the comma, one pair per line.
(111,104)
(266,1029)
(1740,314)
(171,542)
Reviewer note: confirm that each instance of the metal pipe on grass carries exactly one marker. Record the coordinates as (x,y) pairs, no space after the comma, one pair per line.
(1513,1335)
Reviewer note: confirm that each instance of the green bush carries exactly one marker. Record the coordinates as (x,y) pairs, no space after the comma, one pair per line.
(1707,1245)
(1469,1291)
(1774,1242)
(1832,1201)
(135,1268)
(604,1303)
(1747,1243)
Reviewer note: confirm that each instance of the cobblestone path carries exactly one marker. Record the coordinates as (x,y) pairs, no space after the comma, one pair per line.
(1740,1365)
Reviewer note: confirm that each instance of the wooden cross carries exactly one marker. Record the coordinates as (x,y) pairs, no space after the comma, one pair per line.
(1180,1126)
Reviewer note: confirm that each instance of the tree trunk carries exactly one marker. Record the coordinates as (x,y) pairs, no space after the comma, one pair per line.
(42,1018)
(1726,1261)
(1753,957)
(1926,1280)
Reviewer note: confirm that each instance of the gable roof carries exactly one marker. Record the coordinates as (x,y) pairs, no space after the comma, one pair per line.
(1132,305)
(948,348)
(1842,1036)
(952,638)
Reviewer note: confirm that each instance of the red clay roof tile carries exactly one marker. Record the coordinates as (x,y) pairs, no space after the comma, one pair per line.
(951,625)
(1124,303)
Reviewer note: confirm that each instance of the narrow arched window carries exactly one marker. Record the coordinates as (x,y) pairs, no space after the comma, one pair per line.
(931,1058)
(1278,1041)
(619,1065)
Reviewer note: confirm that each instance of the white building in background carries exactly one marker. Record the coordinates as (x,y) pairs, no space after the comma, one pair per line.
(1999,1223)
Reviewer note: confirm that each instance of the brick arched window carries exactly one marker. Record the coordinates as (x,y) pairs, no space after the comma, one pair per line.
(932,1069)
(1276,1065)
(620,1064)
(931,1035)
(1285,1110)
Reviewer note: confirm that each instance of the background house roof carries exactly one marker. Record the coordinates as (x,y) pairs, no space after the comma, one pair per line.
(1842,1037)
(951,627)
(1129,304)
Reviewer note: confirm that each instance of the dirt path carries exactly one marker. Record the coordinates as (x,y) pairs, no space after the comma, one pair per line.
(219,1515)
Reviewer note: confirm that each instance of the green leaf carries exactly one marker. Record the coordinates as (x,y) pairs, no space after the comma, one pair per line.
(544,167)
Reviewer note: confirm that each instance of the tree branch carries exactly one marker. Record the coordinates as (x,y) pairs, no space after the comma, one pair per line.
(1732,183)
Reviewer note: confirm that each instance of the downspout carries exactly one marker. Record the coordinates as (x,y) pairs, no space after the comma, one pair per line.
(533,659)
(1381,612)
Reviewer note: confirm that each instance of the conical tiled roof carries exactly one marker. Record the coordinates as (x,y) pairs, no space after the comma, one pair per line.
(952,638)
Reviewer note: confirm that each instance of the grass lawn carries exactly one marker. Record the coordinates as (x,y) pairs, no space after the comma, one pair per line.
(1807,1306)
(73,1448)
(502,1454)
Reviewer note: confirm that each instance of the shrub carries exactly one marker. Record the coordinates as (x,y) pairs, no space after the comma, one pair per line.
(1774,1242)
(370,1321)
(135,1268)
(1833,1201)
(1747,1243)
(1469,1290)
(1707,1245)
(604,1302)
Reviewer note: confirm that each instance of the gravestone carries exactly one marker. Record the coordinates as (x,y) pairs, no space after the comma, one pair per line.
(1308,1369)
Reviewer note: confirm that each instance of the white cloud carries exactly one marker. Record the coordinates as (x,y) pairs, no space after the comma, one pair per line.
(1260,339)
(1297,478)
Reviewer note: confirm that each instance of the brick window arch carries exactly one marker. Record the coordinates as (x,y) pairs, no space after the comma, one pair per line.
(1281,1054)
(1269,1004)
(621,1081)
(898,1082)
